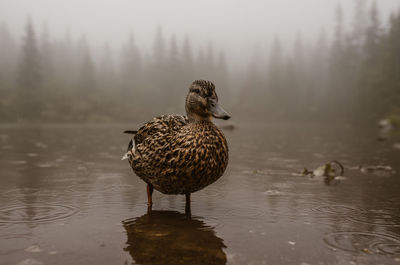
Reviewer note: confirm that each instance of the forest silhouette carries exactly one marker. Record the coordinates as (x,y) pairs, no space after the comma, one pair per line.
(352,75)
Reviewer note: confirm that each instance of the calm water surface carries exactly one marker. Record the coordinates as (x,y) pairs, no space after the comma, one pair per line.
(67,198)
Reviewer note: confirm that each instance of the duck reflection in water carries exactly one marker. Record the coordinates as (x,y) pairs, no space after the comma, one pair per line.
(169,237)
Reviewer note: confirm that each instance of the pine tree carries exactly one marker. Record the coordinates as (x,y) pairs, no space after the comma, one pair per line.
(275,78)
(320,73)
(295,95)
(7,73)
(187,61)
(107,70)
(158,72)
(221,79)
(175,84)
(131,69)
(370,78)
(339,30)
(360,22)
(87,72)
(159,47)
(389,96)
(7,58)
(86,92)
(30,77)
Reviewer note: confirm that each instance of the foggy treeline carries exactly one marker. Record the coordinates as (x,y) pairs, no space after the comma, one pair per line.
(355,76)
(60,80)
(353,73)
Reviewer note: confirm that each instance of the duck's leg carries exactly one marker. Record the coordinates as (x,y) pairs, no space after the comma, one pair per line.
(149,194)
(187,205)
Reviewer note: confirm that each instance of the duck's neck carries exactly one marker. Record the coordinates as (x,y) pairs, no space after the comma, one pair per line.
(195,118)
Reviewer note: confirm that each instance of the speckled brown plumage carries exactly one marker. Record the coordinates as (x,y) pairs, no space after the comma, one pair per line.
(178,154)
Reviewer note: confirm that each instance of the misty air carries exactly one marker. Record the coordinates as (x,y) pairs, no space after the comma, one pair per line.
(199,132)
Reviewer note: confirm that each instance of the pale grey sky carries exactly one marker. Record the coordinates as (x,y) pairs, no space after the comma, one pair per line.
(229,24)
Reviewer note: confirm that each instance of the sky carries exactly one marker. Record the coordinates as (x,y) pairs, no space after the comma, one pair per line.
(231,25)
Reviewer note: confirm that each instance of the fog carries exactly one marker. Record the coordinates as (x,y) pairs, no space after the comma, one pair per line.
(276,59)
(232,26)
(311,179)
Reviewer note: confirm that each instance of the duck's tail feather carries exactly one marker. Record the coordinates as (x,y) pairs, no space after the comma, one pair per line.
(130,132)
(129,150)
(126,155)
(131,145)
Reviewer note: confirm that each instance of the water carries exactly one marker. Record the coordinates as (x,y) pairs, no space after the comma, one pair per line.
(67,198)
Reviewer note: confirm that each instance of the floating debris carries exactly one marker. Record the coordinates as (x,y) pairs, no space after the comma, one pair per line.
(327,171)
(377,169)
(385,128)
(292,243)
(385,124)
(272,192)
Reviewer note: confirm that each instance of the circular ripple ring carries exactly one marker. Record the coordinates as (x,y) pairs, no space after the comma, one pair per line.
(358,242)
(35,213)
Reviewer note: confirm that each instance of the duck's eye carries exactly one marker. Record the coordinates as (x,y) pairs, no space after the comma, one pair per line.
(195,90)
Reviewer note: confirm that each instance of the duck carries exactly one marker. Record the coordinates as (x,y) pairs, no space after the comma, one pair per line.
(176,154)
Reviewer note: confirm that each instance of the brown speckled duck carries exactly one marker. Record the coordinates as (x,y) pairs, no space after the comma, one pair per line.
(175,154)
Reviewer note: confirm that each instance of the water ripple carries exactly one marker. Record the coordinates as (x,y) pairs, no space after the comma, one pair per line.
(364,242)
(335,209)
(35,213)
(369,217)
(376,218)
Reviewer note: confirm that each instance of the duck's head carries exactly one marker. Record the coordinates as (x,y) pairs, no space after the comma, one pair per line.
(202,102)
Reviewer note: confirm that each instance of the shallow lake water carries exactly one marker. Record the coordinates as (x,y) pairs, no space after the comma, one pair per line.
(67,198)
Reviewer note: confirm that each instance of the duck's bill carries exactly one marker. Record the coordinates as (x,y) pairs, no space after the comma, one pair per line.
(218,112)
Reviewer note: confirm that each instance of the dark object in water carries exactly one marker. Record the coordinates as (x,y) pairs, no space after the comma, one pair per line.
(175,154)
(328,171)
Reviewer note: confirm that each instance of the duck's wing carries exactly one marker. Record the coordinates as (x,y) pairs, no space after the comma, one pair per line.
(165,125)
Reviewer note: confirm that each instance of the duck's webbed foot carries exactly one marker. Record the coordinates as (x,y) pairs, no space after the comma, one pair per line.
(149,195)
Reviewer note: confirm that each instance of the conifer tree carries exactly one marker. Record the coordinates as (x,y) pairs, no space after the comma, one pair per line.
(29,76)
